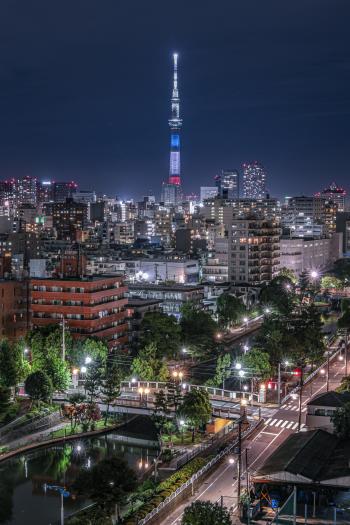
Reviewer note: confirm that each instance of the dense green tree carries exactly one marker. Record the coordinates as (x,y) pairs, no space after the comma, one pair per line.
(344,384)
(47,354)
(147,366)
(110,389)
(38,386)
(341,421)
(13,367)
(279,293)
(198,329)
(222,371)
(162,330)
(344,320)
(258,363)
(161,411)
(108,483)
(230,310)
(196,409)
(5,395)
(93,348)
(288,274)
(330,281)
(206,513)
(94,379)
(271,339)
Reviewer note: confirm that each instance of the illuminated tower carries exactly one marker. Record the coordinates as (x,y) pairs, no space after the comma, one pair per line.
(175,123)
(171,192)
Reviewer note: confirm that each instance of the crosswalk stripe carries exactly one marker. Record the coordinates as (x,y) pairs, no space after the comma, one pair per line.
(290,424)
(279,422)
(284,424)
(295,426)
(304,409)
(267,421)
(273,422)
(284,406)
(302,426)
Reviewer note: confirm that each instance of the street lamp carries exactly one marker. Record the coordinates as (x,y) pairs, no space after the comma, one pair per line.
(245,348)
(182,426)
(314,274)
(88,360)
(238,366)
(83,369)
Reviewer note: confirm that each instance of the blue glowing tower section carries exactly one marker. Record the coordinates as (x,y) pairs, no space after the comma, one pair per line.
(175,123)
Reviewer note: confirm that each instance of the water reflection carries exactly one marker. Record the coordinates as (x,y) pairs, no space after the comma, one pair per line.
(34,486)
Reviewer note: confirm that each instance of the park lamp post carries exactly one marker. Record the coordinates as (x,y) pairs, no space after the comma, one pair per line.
(182,423)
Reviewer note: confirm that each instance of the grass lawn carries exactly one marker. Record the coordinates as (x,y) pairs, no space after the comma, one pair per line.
(68,431)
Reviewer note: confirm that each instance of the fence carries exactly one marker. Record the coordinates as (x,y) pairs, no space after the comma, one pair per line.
(219,393)
(197,476)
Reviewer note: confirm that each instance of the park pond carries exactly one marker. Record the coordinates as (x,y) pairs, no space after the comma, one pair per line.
(32,484)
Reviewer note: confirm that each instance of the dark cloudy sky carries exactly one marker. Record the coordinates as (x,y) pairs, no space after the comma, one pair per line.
(85,87)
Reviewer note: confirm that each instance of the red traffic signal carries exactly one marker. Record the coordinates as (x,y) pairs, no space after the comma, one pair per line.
(297,372)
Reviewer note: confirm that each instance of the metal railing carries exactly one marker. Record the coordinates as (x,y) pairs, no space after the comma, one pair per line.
(196,476)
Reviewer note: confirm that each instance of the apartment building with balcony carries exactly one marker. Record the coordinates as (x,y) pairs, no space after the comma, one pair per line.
(93,306)
(254,250)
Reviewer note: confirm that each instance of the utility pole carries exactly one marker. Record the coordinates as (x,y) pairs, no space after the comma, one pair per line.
(63,339)
(279,385)
(327,385)
(300,396)
(239,466)
(346,353)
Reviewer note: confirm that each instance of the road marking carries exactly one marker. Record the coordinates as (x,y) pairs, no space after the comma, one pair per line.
(279,422)
(272,422)
(267,421)
(269,433)
(290,424)
(284,424)
(294,426)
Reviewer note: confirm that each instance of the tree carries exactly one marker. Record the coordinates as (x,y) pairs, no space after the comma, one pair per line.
(38,386)
(279,293)
(196,409)
(161,412)
(110,389)
(341,421)
(341,269)
(330,281)
(258,362)
(73,409)
(230,309)
(93,380)
(12,366)
(108,483)
(206,512)
(5,395)
(147,366)
(344,385)
(93,348)
(198,329)
(288,274)
(222,371)
(46,350)
(163,331)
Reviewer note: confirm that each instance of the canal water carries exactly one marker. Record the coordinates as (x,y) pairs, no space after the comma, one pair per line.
(31,485)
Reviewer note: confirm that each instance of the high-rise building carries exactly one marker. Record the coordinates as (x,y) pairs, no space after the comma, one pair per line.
(207,192)
(63,190)
(228,184)
(68,218)
(334,194)
(175,124)
(254,180)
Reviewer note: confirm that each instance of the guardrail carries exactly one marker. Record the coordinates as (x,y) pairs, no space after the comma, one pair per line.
(196,476)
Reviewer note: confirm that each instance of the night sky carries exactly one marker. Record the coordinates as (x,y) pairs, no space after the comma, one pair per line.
(85,88)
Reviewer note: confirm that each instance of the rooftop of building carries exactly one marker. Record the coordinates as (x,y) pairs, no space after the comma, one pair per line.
(165,287)
(330,399)
(315,455)
(85,278)
(135,302)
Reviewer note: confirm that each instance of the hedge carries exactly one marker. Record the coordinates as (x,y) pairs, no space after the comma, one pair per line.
(167,487)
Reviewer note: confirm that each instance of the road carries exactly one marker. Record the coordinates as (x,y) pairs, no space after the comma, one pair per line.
(279,424)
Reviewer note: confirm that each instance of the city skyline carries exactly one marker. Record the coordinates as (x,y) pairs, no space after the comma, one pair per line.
(92,104)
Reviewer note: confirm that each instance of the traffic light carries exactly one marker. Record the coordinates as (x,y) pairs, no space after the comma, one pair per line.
(297,372)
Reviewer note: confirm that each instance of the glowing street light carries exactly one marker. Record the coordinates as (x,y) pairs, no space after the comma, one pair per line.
(238,366)
(241,373)
(231,461)
(88,360)
(314,274)
(83,369)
